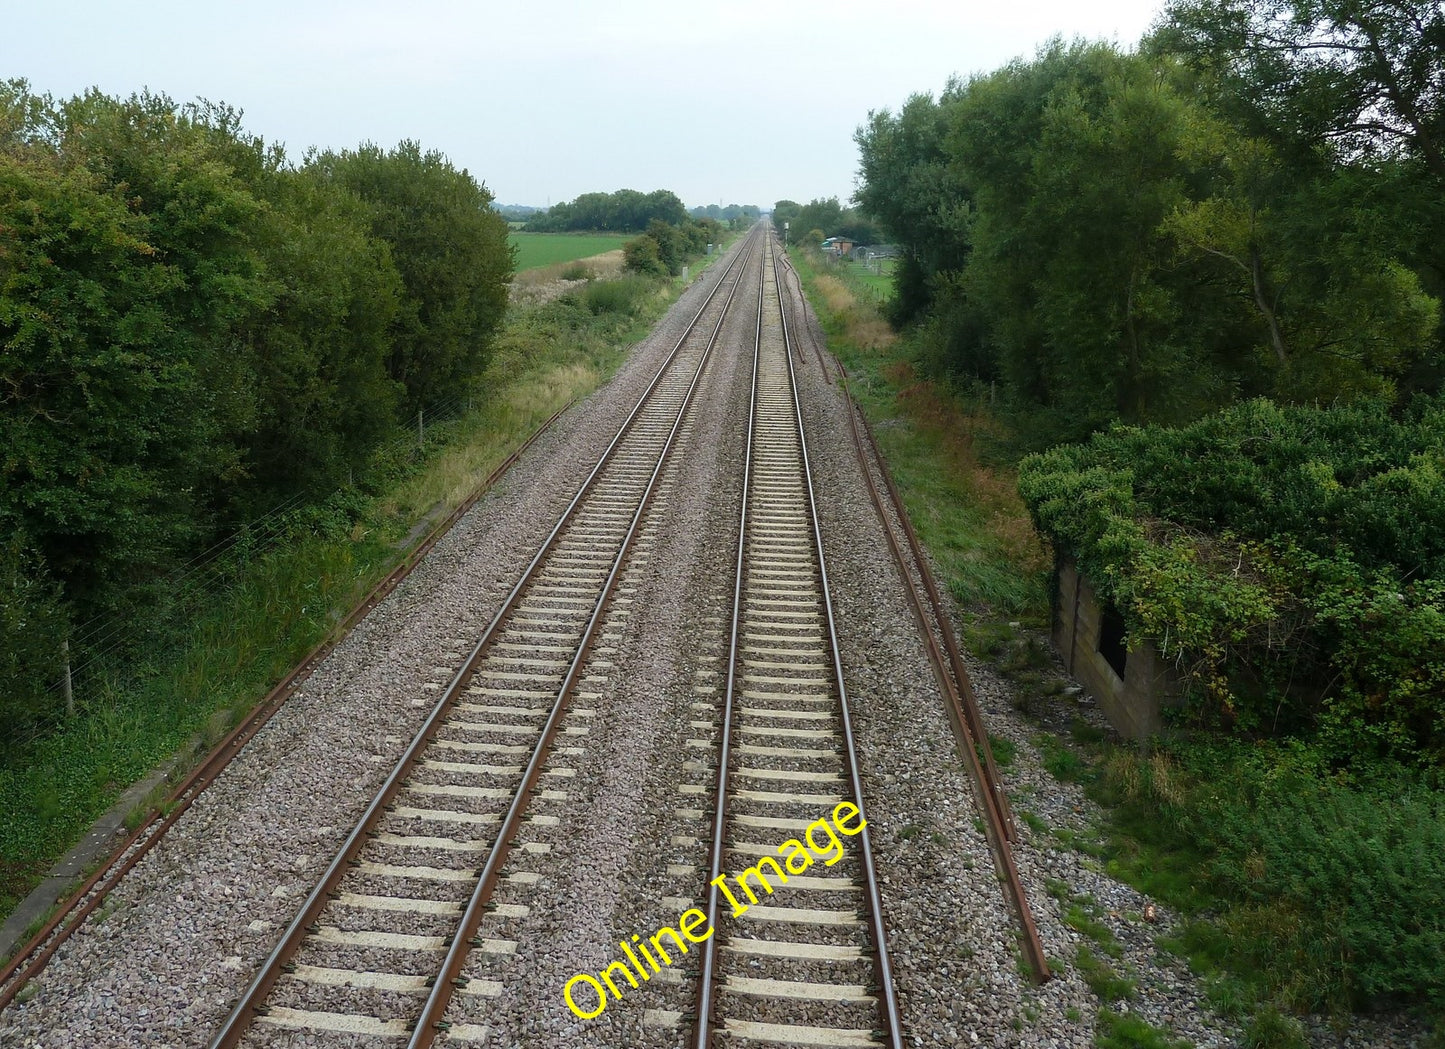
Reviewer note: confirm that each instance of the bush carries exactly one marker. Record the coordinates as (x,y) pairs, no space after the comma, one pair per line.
(615,296)
(1334,889)
(642,255)
(1289,560)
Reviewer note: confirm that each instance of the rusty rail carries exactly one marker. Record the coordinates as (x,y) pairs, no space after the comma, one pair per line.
(961,702)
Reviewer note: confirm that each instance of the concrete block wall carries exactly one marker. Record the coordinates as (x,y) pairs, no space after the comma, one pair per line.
(1134,703)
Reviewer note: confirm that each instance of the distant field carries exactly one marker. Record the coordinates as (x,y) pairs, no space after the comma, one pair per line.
(548,249)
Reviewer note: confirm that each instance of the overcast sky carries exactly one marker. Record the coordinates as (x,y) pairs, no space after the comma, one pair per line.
(746,102)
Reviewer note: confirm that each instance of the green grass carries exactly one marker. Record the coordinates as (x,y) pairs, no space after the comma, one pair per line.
(279,605)
(1101,977)
(535,250)
(1126,1031)
(967,513)
(878,285)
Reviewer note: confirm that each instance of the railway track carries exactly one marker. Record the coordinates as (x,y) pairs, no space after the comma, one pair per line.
(378,948)
(816,971)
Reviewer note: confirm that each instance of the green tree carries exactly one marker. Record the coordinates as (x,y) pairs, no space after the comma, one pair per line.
(449,247)
(319,353)
(1368,77)
(125,272)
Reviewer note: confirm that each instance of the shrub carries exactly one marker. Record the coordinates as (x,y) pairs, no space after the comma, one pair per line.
(1289,560)
(642,255)
(1334,887)
(615,296)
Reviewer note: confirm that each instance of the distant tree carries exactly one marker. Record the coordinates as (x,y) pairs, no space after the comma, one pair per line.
(641,255)
(625,211)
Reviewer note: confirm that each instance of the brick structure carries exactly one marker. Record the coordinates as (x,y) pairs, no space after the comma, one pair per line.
(1132,688)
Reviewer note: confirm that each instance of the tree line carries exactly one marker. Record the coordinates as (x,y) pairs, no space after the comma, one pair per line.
(195,328)
(1248,204)
(829,218)
(625,211)
(734,216)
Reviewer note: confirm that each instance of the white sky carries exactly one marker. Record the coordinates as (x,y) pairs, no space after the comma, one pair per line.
(744,102)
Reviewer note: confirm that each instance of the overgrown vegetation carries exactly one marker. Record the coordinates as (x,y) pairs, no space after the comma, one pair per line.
(276,605)
(1289,560)
(1218,259)
(1247,205)
(665,247)
(1307,889)
(199,334)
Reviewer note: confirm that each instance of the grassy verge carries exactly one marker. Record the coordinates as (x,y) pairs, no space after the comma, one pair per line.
(967,512)
(1303,889)
(193,686)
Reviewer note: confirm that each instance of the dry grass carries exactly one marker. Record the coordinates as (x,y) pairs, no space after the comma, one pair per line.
(454,473)
(547,282)
(862,324)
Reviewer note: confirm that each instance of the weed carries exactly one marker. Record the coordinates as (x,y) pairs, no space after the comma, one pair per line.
(1063,762)
(1005,751)
(1034,823)
(1101,977)
(1126,1031)
(1271,1029)
(909,832)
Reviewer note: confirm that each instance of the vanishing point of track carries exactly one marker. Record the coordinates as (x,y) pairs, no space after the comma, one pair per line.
(815,972)
(389,926)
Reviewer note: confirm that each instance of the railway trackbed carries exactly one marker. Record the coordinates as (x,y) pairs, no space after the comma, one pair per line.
(652,732)
(380,943)
(814,972)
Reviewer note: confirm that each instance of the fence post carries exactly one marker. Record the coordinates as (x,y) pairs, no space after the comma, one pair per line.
(69,691)
(420,437)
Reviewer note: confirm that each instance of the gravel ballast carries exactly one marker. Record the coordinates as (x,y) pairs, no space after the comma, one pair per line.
(628,848)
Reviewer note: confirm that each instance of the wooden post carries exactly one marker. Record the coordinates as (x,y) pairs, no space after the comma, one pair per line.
(69,690)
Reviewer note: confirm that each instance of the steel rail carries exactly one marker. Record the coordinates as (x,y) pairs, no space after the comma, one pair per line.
(970,741)
(971,711)
(887,1000)
(239,1020)
(32,958)
(430,1021)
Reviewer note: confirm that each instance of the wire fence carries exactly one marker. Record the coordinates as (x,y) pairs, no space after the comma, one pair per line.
(108,642)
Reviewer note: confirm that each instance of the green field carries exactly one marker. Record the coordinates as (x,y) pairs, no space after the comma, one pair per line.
(535,250)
